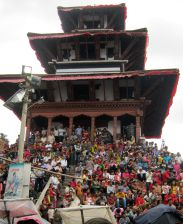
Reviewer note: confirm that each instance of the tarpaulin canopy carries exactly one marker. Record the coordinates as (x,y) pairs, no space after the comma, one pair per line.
(160,214)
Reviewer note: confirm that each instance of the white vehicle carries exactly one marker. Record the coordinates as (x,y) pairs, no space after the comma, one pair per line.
(87,215)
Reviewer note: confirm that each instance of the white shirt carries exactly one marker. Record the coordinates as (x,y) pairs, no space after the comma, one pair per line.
(55,132)
(106,175)
(111,176)
(61,131)
(51,213)
(165,189)
(179,159)
(110,189)
(149,177)
(54,181)
(48,146)
(77,148)
(53,163)
(51,138)
(58,169)
(63,162)
(46,158)
(43,132)
(43,139)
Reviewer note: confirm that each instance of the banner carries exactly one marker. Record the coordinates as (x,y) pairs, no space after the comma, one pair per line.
(18,179)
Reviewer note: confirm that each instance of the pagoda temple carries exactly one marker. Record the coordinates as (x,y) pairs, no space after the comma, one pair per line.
(95,76)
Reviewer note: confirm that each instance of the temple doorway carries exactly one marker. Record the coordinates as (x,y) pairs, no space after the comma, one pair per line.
(104,121)
(39,123)
(60,121)
(82,121)
(127,126)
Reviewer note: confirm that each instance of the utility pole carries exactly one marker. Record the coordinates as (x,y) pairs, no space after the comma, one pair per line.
(23,122)
(27,73)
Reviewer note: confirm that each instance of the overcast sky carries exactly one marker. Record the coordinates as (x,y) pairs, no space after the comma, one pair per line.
(163,19)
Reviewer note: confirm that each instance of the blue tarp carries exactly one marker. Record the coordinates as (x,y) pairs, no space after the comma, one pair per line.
(153,214)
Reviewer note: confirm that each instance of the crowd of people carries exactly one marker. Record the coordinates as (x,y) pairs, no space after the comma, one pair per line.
(130,177)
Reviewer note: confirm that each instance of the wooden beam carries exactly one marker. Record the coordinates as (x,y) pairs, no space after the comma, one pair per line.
(80,19)
(59,51)
(114,128)
(152,87)
(92,128)
(49,125)
(92,90)
(128,67)
(77,49)
(112,20)
(97,48)
(69,91)
(104,89)
(70,126)
(138,128)
(137,88)
(48,52)
(72,21)
(116,89)
(128,49)
(50,90)
(116,47)
(101,20)
(60,92)
(132,59)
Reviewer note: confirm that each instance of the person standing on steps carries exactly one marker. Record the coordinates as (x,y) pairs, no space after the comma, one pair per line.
(63,162)
(77,148)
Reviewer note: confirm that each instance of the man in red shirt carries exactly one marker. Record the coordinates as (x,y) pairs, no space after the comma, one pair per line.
(166,175)
(139,200)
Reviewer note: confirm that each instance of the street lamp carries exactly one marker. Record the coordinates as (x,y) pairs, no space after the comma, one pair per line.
(31,81)
(26,70)
(22,96)
(40,101)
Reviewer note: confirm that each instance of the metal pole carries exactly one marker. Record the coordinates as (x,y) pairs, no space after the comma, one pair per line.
(7,212)
(23,124)
(82,217)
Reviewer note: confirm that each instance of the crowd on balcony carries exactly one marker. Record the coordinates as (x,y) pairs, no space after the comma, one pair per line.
(128,176)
